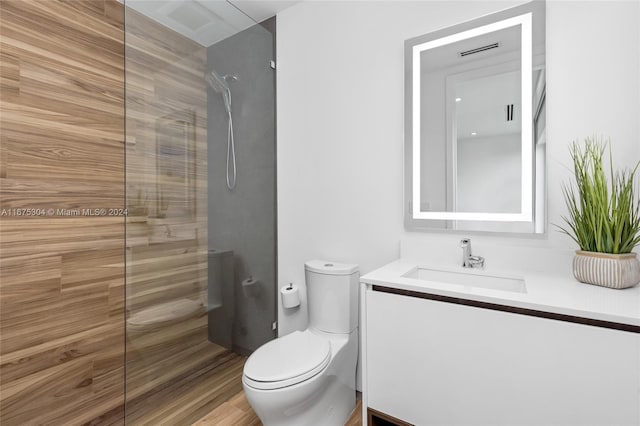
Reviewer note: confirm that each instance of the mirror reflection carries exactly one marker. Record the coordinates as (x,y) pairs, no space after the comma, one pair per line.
(475,125)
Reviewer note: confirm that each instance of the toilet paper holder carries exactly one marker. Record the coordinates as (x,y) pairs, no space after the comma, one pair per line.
(290,296)
(251,287)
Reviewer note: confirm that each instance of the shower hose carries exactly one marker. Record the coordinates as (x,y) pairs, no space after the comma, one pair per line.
(231,156)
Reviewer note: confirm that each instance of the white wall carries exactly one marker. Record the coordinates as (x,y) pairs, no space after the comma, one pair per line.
(340,119)
(489,174)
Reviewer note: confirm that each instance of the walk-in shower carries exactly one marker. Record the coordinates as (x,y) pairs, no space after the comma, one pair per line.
(220,85)
(200,246)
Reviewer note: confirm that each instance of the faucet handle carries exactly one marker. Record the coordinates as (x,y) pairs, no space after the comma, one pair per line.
(476,261)
(465,242)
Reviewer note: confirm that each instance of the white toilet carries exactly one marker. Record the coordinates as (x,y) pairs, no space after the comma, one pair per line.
(308,377)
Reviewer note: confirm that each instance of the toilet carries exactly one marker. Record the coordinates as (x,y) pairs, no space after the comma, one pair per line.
(309,377)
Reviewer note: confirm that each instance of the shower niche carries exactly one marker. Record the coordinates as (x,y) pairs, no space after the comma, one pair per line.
(175,186)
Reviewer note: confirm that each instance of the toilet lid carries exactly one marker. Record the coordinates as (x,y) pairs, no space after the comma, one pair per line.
(291,359)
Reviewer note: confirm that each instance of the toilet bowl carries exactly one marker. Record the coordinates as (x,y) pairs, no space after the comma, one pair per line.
(308,377)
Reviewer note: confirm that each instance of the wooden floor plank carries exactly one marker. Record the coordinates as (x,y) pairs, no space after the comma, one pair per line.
(356,415)
(237,412)
(190,396)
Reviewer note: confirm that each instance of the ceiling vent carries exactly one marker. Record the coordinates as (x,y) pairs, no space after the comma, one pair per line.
(190,16)
(479,49)
(509,110)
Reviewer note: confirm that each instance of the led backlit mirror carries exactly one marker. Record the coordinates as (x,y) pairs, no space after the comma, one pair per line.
(475,125)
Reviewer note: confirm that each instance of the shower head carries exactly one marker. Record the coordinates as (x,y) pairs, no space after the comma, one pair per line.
(219,84)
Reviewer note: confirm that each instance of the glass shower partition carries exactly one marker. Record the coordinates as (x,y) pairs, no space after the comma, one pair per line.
(201,226)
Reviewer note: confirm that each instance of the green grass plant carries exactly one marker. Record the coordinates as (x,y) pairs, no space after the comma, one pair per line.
(604,214)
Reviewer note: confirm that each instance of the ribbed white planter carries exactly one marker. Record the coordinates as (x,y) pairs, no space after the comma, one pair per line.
(607,270)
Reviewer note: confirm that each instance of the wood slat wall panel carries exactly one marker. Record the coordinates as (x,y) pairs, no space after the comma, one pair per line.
(62,147)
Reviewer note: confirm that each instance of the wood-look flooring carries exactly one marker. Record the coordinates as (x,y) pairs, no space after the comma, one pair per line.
(190,396)
(356,415)
(234,412)
(237,412)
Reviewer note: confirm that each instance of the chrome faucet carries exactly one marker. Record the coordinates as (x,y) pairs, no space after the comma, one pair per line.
(469,260)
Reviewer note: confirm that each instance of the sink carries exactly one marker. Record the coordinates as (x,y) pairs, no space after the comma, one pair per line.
(469,279)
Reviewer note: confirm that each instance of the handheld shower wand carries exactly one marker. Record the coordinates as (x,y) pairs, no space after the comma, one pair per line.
(219,84)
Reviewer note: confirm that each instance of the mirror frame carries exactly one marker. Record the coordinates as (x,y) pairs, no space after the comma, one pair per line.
(517,16)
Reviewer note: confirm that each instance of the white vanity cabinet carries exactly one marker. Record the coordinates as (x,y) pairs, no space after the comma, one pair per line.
(443,362)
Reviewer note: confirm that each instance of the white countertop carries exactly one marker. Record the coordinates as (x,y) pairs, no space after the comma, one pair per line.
(549,292)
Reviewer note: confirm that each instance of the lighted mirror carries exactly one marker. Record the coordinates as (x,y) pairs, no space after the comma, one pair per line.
(475,125)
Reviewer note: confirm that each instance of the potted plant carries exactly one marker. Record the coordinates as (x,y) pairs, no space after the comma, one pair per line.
(604,219)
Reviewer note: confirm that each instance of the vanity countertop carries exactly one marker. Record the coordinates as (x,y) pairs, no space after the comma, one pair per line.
(545,292)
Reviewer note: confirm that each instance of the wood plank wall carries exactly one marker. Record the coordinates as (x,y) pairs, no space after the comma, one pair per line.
(63,308)
(61,147)
(166,153)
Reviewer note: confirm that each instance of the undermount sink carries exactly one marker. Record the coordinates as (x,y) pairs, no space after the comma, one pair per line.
(469,279)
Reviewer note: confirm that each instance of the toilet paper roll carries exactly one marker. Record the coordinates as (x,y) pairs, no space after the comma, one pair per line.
(251,287)
(290,296)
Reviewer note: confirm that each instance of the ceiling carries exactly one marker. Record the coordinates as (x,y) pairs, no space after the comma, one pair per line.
(259,10)
(209,21)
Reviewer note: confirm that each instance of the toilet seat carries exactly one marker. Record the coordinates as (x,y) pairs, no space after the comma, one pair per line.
(287,361)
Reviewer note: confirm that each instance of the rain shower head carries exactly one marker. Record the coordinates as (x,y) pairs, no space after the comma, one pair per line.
(219,84)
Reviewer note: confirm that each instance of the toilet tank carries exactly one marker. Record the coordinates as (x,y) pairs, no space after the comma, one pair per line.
(332,296)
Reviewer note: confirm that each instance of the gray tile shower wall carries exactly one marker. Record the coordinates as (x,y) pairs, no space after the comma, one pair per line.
(243,219)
